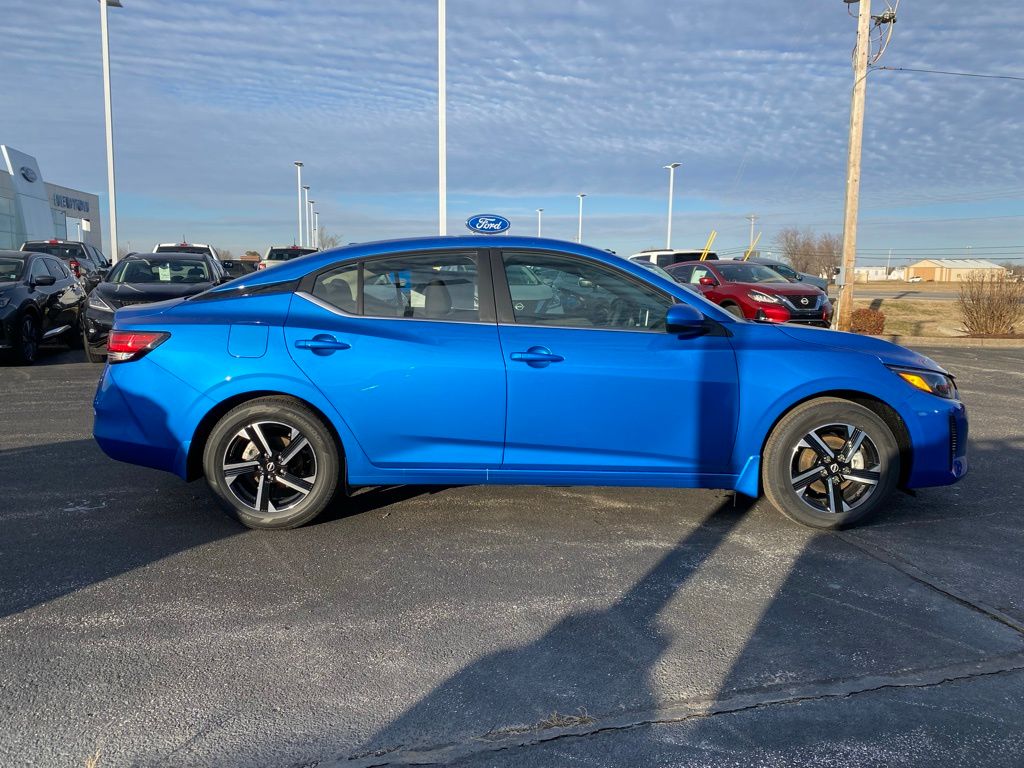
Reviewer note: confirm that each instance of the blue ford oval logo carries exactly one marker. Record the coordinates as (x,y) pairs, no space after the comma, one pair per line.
(28,174)
(487,224)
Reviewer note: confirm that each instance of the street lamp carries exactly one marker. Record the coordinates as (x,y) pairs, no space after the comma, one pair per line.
(671,187)
(108,116)
(305,226)
(312,231)
(442,124)
(298,189)
(579,229)
(316,229)
(540,212)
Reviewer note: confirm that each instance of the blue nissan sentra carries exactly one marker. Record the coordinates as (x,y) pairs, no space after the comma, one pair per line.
(466,360)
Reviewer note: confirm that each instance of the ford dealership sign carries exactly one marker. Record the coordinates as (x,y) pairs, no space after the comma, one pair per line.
(487,224)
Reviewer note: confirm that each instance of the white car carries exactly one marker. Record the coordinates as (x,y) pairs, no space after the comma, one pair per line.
(201,248)
(279,254)
(666,258)
(915,279)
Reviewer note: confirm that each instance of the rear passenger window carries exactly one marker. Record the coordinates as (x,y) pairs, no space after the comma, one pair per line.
(438,286)
(339,287)
(56,269)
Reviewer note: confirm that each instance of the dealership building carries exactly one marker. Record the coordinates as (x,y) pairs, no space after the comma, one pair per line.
(34,209)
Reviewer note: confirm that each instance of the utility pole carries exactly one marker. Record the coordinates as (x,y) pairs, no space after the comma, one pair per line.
(753,218)
(442,121)
(860,74)
(540,213)
(108,116)
(671,168)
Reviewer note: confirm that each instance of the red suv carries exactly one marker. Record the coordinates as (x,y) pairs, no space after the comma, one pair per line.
(756,292)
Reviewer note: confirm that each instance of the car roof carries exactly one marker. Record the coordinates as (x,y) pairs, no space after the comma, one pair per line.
(168,255)
(17,254)
(296,268)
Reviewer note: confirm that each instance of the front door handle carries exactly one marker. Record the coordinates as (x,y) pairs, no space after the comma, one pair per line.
(322,344)
(536,357)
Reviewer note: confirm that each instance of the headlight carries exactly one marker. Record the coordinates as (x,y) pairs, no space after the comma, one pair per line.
(933,382)
(764,298)
(96,302)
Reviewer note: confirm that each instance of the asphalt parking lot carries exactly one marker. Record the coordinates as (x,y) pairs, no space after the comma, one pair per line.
(502,626)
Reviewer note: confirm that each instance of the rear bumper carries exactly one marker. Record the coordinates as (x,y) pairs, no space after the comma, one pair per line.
(137,419)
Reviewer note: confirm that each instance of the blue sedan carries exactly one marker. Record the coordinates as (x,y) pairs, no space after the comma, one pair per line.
(466,360)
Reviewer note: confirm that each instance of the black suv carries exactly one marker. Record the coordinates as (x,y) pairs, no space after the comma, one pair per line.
(85,261)
(39,300)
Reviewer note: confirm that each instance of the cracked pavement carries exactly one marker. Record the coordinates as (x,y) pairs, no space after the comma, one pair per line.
(502,626)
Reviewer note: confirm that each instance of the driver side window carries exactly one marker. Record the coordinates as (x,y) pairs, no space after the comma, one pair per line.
(569,292)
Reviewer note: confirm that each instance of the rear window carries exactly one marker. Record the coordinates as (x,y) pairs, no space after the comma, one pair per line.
(10,269)
(200,249)
(161,271)
(286,254)
(64,251)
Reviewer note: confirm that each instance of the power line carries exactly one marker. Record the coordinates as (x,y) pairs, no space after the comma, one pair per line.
(945,72)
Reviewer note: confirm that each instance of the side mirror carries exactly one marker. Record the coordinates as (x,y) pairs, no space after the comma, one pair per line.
(708,281)
(44,280)
(228,264)
(684,321)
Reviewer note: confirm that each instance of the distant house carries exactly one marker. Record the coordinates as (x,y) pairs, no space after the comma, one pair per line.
(868,274)
(953,270)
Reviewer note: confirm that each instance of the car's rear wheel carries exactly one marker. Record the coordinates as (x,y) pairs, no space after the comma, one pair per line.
(830,463)
(272,463)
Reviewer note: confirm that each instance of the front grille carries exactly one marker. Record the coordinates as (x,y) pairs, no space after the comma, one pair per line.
(793,303)
(131,302)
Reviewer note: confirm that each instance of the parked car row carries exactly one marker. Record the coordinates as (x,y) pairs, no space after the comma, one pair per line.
(755,289)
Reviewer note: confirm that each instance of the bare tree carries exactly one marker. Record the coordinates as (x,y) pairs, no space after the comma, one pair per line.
(809,252)
(327,240)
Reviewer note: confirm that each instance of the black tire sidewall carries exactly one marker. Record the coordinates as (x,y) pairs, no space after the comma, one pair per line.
(286,411)
(20,352)
(797,423)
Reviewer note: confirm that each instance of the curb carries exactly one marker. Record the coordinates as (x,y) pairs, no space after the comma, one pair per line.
(952,341)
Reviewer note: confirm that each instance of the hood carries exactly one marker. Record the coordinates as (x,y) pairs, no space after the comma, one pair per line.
(129,294)
(784,289)
(886,351)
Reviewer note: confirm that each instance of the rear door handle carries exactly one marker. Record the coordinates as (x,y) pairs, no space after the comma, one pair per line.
(536,357)
(322,344)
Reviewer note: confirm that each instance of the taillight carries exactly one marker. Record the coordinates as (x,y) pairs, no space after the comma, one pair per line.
(126,346)
(75,267)
(261,265)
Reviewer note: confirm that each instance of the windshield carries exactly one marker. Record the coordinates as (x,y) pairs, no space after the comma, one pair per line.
(160,271)
(60,250)
(743,272)
(203,249)
(785,271)
(10,269)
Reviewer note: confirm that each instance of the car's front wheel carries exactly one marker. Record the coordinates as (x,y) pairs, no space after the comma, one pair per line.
(272,463)
(830,463)
(28,339)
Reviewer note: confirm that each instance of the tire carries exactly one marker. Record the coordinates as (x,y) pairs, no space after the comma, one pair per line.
(793,463)
(272,490)
(734,309)
(94,357)
(27,347)
(75,337)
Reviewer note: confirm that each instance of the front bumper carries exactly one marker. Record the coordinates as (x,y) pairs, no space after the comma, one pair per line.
(97,329)
(938,436)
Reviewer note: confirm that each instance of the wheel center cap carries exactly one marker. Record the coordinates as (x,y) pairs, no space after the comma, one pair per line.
(833,468)
(271,466)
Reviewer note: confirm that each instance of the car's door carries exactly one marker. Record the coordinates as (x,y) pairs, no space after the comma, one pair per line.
(68,293)
(600,385)
(406,348)
(44,296)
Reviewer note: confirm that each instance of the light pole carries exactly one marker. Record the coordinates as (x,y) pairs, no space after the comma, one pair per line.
(305,213)
(671,189)
(579,229)
(540,213)
(109,118)
(312,229)
(298,189)
(316,229)
(752,217)
(442,123)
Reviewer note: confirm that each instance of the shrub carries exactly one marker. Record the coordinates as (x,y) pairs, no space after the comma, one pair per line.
(869,321)
(990,305)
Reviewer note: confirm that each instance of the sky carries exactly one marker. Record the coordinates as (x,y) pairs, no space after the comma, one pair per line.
(213,101)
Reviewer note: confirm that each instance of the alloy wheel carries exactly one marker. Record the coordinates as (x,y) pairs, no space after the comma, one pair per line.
(29,338)
(269,467)
(835,468)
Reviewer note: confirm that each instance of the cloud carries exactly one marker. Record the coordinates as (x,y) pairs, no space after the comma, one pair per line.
(214,101)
